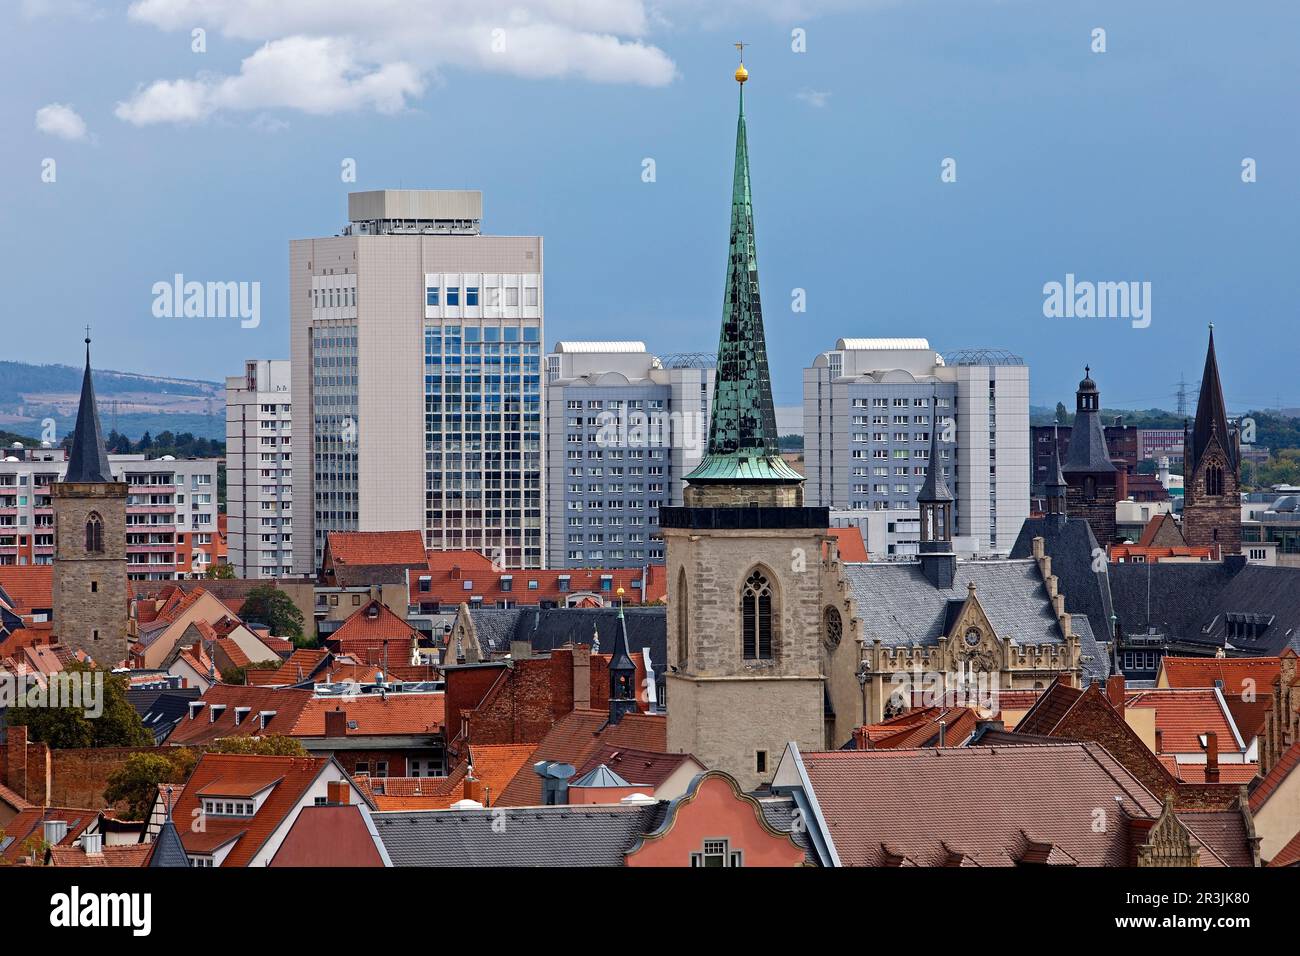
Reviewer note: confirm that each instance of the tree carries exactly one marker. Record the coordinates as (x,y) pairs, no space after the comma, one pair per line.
(272,745)
(220,572)
(268,605)
(1062,415)
(135,783)
(62,728)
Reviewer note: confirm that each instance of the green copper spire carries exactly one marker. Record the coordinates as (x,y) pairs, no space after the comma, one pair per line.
(742,433)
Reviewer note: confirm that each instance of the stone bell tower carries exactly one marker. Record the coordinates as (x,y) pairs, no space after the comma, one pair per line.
(743,554)
(90,595)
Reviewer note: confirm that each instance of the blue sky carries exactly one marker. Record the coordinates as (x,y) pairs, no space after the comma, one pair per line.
(1115,166)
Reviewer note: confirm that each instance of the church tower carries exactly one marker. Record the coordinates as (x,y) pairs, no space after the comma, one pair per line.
(1090,476)
(743,554)
(90,597)
(1212,469)
(935,501)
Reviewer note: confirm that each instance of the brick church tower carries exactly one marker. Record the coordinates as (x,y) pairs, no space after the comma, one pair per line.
(1212,469)
(743,554)
(1090,476)
(90,596)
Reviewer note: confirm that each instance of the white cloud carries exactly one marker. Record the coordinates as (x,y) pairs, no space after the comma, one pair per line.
(328,56)
(814,98)
(58,119)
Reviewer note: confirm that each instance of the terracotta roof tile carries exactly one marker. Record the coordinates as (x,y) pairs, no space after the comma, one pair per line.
(288,704)
(290,776)
(1279,772)
(133,854)
(574,738)
(1184,714)
(29,824)
(300,666)
(444,578)
(638,767)
(851,545)
(392,714)
(1289,855)
(372,548)
(329,836)
(31,586)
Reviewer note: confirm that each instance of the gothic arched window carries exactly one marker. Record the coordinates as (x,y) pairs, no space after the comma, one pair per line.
(1090,488)
(1214,480)
(756,617)
(832,628)
(683,620)
(94,533)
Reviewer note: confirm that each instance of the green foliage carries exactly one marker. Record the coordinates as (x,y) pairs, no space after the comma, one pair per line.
(273,745)
(239,675)
(68,727)
(268,605)
(790,442)
(1282,468)
(220,572)
(135,783)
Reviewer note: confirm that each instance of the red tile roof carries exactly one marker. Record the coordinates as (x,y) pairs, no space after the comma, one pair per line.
(13,799)
(449,572)
(1279,772)
(288,703)
(372,624)
(574,738)
(1184,714)
(227,773)
(376,547)
(1228,772)
(638,767)
(132,854)
(30,585)
(1289,855)
(1127,552)
(851,546)
(990,806)
(29,825)
(300,666)
(1246,683)
(495,765)
(329,836)
(920,728)
(375,715)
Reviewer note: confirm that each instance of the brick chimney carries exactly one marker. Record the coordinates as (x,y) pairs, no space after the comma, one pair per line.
(16,760)
(473,789)
(338,793)
(1211,757)
(336,723)
(1115,692)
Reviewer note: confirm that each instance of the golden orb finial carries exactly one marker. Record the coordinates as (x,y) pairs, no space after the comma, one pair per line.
(742,74)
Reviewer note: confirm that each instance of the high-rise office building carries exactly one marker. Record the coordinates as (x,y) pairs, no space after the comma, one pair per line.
(417,393)
(869,408)
(259,470)
(623,428)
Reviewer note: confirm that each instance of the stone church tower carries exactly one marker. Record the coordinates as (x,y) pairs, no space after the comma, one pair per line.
(743,554)
(1091,478)
(90,596)
(1212,469)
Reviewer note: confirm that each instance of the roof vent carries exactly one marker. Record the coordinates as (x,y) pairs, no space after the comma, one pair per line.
(467,805)
(638,800)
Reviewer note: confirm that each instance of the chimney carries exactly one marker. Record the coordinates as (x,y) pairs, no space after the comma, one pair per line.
(338,793)
(336,723)
(1115,692)
(473,788)
(1160,741)
(16,760)
(92,844)
(53,831)
(581,676)
(1121,481)
(521,650)
(860,741)
(1211,757)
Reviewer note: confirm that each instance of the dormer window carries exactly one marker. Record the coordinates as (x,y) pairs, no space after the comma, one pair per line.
(228,808)
(241,713)
(215,712)
(264,718)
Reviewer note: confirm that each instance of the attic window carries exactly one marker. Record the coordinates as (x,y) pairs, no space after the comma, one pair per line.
(564,583)
(507,582)
(215,711)
(532,585)
(264,718)
(241,713)
(426,583)
(467,586)
(228,808)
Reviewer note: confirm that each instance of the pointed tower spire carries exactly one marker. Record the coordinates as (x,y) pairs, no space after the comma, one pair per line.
(743,444)
(935,490)
(622,672)
(88,458)
(1056,485)
(1211,414)
(938,562)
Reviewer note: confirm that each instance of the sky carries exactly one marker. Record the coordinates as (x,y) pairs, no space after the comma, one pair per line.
(920,168)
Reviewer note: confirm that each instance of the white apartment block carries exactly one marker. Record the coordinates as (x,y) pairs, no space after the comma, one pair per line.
(171,511)
(259,470)
(416,370)
(623,428)
(869,407)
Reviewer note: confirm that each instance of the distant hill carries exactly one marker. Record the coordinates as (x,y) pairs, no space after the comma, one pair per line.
(130,402)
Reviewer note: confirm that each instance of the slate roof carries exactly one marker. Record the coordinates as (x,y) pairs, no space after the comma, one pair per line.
(1090,456)
(168,851)
(87,456)
(1070,543)
(521,836)
(1211,415)
(600,776)
(161,708)
(1189,603)
(548,628)
(896,603)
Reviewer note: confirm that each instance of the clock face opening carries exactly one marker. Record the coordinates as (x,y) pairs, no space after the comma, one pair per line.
(972,638)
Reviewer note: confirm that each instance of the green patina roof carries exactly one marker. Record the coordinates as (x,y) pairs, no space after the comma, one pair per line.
(742,433)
